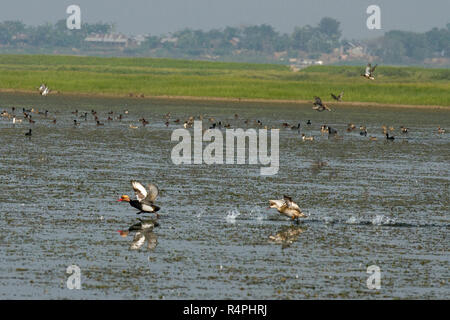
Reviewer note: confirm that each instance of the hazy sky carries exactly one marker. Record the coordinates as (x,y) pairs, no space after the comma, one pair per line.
(162,16)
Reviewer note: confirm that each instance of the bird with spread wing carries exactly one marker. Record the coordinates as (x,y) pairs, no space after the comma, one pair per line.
(287,207)
(144,198)
(339,97)
(319,105)
(368,74)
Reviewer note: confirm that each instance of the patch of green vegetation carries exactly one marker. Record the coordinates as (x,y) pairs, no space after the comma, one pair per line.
(156,77)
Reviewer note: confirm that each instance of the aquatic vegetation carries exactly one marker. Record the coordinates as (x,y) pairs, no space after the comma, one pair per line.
(143,77)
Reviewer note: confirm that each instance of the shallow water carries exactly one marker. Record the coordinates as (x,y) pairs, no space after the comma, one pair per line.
(374,203)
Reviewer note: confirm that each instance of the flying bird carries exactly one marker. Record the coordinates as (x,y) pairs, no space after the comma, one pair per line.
(43,89)
(339,97)
(319,105)
(368,74)
(287,207)
(144,198)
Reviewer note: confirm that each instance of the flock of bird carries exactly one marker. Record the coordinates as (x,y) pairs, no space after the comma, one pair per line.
(318,105)
(146,196)
(144,203)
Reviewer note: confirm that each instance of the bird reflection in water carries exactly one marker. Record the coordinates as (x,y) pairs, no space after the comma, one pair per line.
(144,233)
(286,236)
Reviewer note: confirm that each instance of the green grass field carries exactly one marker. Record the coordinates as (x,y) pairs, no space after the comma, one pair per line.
(156,77)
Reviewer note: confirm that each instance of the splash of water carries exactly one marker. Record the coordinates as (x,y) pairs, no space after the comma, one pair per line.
(328,220)
(255,212)
(232,215)
(199,214)
(352,220)
(381,220)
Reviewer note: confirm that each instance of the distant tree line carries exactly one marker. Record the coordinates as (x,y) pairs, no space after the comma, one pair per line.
(15,33)
(259,38)
(262,39)
(307,41)
(409,47)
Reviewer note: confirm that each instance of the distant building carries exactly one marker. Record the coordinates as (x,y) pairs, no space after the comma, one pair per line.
(351,50)
(235,41)
(139,39)
(110,40)
(169,39)
(20,37)
(280,55)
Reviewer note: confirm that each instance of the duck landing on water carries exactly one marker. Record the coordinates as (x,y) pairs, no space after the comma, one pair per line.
(287,207)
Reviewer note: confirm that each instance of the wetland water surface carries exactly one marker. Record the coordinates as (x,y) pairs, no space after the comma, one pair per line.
(374,203)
